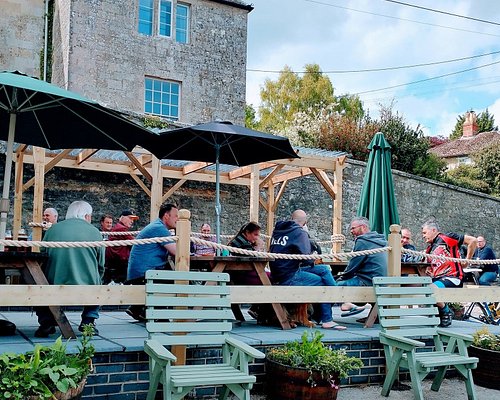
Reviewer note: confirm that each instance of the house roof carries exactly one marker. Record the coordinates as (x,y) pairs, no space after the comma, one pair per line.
(466,145)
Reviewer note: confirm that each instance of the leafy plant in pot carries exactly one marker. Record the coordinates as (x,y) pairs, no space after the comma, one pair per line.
(47,372)
(307,369)
(486,347)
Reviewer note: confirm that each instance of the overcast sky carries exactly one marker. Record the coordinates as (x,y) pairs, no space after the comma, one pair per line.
(367,34)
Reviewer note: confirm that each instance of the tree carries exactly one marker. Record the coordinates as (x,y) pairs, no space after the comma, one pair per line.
(488,163)
(250,117)
(290,94)
(408,144)
(431,167)
(485,123)
(467,176)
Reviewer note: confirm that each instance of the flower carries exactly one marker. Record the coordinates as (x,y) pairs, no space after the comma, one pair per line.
(484,339)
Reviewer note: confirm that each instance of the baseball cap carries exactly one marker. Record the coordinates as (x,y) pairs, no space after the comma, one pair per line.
(130,214)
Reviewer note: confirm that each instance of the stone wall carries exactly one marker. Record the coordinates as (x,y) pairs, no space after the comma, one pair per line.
(99,53)
(457,210)
(21,35)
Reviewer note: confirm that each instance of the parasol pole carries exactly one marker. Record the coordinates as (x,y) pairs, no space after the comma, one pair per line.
(217,194)
(5,204)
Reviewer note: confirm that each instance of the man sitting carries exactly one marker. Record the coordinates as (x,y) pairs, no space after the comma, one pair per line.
(289,237)
(361,270)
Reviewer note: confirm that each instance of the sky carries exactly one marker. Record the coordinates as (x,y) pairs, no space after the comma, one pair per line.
(354,35)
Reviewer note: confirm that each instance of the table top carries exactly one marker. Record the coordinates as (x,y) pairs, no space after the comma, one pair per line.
(5,256)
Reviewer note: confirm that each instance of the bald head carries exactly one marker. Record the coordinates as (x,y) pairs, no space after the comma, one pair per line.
(300,217)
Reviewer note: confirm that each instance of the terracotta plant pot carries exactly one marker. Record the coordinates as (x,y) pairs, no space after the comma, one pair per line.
(288,383)
(487,373)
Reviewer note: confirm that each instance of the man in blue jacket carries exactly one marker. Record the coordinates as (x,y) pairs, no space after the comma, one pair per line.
(362,269)
(289,237)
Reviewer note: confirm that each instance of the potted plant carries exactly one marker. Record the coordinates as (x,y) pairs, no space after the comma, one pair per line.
(307,369)
(458,310)
(486,347)
(47,372)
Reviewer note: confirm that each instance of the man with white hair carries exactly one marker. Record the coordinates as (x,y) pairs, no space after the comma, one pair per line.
(73,266)
(50,215)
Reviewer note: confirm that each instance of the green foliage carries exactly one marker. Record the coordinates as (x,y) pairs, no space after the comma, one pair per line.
(312,354)
(250,117)
(408,144)
(290,94)
(467,176)
(484,339)
(431,167)
(45,370)
(152,121)
(485,123)
(488,164)
(350,106)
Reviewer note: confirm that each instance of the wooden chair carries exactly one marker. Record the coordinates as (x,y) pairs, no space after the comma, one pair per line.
(180,314)
(407,309)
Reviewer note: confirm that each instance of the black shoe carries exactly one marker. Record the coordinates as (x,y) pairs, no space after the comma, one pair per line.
(138,316)
(88,321)
(45,331)
(446,318)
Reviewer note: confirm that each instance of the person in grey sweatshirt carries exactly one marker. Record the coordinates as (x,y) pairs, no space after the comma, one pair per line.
(362,269)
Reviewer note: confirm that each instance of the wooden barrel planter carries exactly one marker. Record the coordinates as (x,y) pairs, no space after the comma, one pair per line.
(288,383)
(487,373)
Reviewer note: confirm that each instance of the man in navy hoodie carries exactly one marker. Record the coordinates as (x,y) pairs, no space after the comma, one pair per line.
(289,237)
(362,269)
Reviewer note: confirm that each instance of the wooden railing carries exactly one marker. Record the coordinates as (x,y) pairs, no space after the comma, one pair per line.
(41,295)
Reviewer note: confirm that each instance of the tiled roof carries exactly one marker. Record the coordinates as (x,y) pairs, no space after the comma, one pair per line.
(466,145)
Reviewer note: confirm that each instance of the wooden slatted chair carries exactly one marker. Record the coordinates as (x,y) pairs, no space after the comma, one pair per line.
(178,313)
(407,310)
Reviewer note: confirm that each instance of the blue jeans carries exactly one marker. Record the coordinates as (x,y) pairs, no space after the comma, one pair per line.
(317,275)
(487,278)
(354,281)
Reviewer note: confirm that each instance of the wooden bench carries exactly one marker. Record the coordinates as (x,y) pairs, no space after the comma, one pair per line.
(180,314)
(407,310)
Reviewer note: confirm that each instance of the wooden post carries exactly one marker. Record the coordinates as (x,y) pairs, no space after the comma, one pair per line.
(254,193)
(156,187)
(39,160)
(18,195)
(394,267)
(270,209)
(337,202)
(183,232)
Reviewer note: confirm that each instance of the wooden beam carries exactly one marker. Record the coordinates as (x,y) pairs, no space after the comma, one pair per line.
(254,193)
(156,188)
(18,194)
(270,176)
(325,181)
(173,189)
(85,155)
(270,208)
(337,202)
(243,171)
(279,195)
(193,167)
(141,184)
(291,175)
(21,148)
(139,166)
(64,295)
(51,164)
(39,156)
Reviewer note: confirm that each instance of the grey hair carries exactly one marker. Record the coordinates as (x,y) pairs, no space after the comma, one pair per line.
(79,209)
(53,211)
(431,224)
(362,221)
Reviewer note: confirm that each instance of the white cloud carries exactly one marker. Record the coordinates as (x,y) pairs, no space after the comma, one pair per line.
(337,38)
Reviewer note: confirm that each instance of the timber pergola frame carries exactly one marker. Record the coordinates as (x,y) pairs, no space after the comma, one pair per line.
(268,178)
